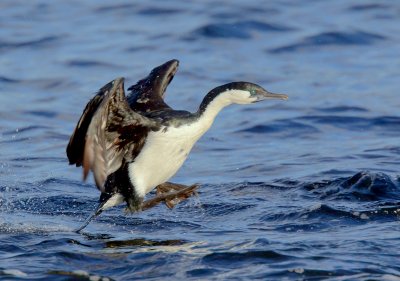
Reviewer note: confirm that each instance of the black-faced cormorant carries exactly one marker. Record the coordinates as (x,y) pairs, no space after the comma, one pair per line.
(136,143)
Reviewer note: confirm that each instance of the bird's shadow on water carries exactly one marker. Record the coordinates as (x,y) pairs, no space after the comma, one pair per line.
(142,242)
(135,242)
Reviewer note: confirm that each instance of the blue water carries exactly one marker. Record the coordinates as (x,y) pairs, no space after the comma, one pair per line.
(304,189)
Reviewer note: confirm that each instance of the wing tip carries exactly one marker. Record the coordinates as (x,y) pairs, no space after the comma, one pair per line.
(87,157)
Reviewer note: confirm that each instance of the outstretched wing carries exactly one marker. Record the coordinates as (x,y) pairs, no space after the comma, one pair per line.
(77,141)
(148,94)
(115,134)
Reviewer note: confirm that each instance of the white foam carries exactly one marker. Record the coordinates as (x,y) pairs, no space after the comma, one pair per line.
(81,273)
(390,277)
(15,272)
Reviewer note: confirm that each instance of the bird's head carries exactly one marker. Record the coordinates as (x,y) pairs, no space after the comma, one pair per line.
(239,93)
(246,93)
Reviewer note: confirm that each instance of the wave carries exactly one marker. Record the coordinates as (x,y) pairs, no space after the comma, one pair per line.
(366,7)
(237,30)
(363,186)
(242,257)
(332,38)
(89,63)
(304,126)
(34,43)
(286,127)
(286,204)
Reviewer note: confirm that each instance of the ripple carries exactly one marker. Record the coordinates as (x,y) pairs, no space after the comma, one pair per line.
(328,212)
(35,43)
(237,30)
(60,181)
(236,14)
(390,124)
(88,63)
(366,7)
(78,275)
(10,248)
(14,273)
(312,218)
(232,258)
(286,127)
(334,38)
(372,186)
(391,149)
(222,209)
(321,274)
(222,30)
(133,9)
(8,80)
(49,205)
(109,8)
(140,242)
(24,229)
(158,11)
(363,186)
(42,113)
(155,223)
(247,187)
(261,26)
(341,109)
(26,129)
(202,272)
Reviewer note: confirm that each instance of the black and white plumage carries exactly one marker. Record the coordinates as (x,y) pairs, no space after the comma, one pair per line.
(136,142)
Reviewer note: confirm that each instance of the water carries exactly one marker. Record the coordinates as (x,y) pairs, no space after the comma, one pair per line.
(304,189)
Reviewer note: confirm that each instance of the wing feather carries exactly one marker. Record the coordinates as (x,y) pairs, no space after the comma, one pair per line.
(148,94)
(75,148)
(115,135)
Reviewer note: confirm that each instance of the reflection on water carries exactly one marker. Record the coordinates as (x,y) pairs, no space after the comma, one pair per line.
(141,242)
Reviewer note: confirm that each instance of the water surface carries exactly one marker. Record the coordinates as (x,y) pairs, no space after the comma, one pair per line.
(304,189)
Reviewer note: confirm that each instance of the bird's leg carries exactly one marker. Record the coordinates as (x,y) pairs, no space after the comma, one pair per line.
(182,192)
(169,187)
(171,194)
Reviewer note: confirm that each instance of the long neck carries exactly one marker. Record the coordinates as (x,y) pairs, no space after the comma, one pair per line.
(212,104)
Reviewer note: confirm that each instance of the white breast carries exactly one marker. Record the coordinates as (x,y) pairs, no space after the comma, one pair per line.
(162,155)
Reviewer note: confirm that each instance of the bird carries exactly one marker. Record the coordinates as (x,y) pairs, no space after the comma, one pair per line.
(135,143)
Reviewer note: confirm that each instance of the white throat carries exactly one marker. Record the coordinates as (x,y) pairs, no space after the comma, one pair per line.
(222,100)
